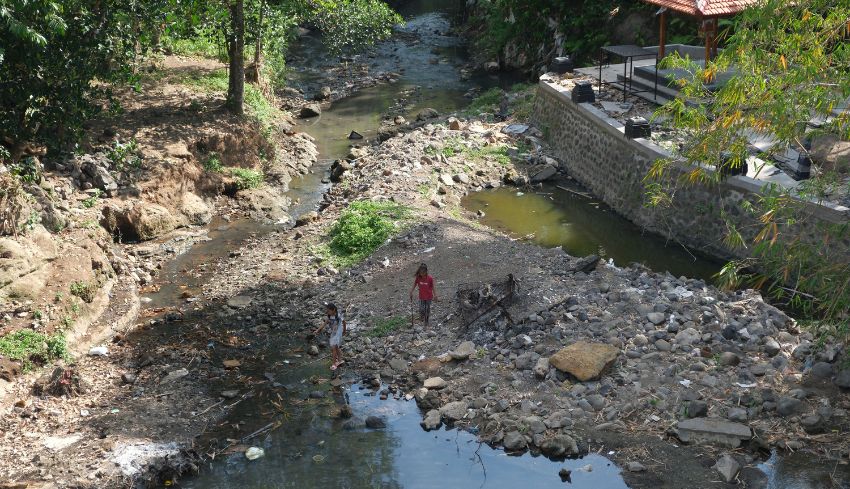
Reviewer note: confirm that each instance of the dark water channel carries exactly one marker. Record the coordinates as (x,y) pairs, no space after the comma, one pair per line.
(313,448)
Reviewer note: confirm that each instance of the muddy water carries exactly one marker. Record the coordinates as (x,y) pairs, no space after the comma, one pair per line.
(553,216)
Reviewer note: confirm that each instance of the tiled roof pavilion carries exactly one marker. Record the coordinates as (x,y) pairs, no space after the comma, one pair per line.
(705,8)
(708,11)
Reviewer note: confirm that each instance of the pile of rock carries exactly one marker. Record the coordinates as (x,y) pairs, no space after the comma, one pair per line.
(92,171)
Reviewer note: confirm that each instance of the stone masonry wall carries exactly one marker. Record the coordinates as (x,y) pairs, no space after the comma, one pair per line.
(594,150)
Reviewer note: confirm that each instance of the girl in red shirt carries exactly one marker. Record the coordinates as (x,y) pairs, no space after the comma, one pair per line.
(427,293)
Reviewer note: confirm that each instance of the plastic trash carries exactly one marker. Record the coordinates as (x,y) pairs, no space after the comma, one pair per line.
(318,458)
(98,351)
(254,453)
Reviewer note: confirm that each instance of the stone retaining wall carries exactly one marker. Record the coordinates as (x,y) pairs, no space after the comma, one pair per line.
(594,150)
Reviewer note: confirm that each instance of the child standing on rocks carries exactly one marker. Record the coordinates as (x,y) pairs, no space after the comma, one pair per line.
(427,293)
(336,325)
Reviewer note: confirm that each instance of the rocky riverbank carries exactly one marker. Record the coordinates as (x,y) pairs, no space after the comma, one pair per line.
(587,357)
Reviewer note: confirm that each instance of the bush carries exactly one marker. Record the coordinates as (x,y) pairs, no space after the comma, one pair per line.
(246,178)
(363,227)
(213,163)
(83,290)
(124,155)
(32,348)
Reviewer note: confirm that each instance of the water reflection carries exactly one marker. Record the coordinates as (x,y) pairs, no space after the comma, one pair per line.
(802,471)
(400,456)
(581,226)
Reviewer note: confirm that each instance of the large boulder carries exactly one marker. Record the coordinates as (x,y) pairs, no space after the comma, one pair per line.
(197,211)
(138,222)
(585,361)
(310,110)
(25,264)
(454,411)
(559,446)
(463,351)
(338,169)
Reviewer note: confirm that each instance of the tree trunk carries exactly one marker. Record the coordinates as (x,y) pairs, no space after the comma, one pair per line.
(258,48)
(236,57)
(254,70)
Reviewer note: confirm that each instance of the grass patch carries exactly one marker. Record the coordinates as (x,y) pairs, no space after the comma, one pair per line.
(246,178)
(497,153)
(256,104)
(32,348)
(521,103)
(456,146)
(84,290)
(362,228)
(486,102)
(386,326)
(202,47)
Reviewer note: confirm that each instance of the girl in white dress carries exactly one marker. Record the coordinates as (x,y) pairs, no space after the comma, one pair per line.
(336,325)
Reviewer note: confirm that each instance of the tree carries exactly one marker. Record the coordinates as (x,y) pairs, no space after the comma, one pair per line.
(50,54)
(236,58)
(346,25)
(791,65)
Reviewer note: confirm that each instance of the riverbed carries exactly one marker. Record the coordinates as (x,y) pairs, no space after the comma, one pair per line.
(312,448)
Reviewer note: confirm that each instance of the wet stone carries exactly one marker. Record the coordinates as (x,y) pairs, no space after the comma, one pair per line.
(376,422)
(514,441)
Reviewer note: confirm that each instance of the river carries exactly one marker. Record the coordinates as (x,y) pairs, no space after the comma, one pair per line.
(312,448)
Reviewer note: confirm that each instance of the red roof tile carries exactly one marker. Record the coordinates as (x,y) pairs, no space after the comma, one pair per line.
(705,8)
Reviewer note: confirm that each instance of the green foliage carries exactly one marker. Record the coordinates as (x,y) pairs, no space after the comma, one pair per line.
(246,177)
(521,102)
(350,25)
(92,201)
(259,107)
(586,25)
(51,53)
(27,170)
(32,348)
(775,50)
(486,102)
(124,155)
(363,227)
(84,290)
(213,163)
(386,326)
